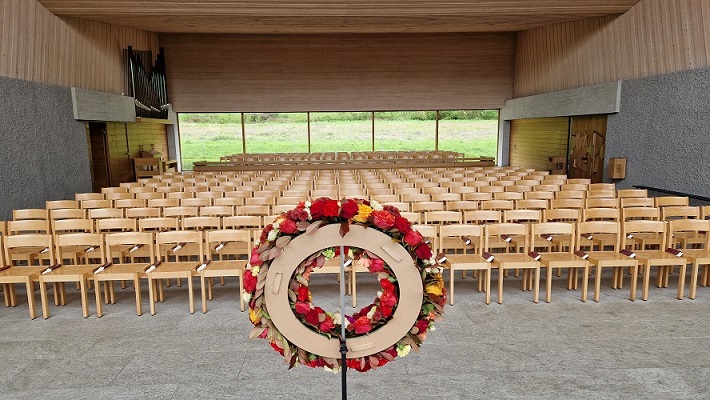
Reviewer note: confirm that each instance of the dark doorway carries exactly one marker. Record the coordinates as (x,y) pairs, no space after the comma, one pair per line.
(100,167)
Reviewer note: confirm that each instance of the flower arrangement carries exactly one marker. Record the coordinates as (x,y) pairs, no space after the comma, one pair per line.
(306,218)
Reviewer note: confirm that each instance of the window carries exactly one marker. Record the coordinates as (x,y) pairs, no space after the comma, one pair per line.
(472,132)
(341,131)
(405,130)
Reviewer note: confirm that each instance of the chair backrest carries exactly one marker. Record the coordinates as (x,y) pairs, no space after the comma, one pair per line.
(542,195)
(573,187)
(196,202)
(39,242)
(700,226)
(631,213)
(519,232)
(531,204)
(522,216)
(30,213)
(27,226)
(679,212)
(130,203)
(180,212)
(424,206)
(644,226)
(705,212)
(91,204)
(602,202)
(600,214)
(142,212)
(63,226)
(622,193)
(102,213)
(637,202)
(125,243)
(240,237)
(601,186)
(90,243)
(117,189)
(664,201)
(442,217)
(601,194)
(60,204)
(497,205)
(163,203)
(462,205)
(585,229)
(579,181)
(119,196)
(201,223)
(116,225)
(553,229)
(482,216)
(158,224)
(471,232)
(508,196)
(217,211)
(430,234)
(260,210)
(166,244)
(567,203)
(570,194)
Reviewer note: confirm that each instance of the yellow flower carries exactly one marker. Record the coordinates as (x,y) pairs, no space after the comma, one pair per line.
(363,212)
(435,288)
(253,317)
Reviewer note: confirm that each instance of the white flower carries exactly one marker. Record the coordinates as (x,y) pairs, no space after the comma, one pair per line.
(402,351)
(379,294)
(337,318)
(427,270)
(273,235)
(255,270)
(308,204)
(372,312)
(333,370)
(376,206)
(431,327)
(246,296)
(277,224)
(432,260)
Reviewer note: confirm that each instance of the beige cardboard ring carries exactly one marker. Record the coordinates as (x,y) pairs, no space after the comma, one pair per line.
(411,292)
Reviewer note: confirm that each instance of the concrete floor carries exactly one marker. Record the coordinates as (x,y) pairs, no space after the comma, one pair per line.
(566,349)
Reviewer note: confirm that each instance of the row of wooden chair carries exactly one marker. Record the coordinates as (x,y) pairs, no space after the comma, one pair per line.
(126,256)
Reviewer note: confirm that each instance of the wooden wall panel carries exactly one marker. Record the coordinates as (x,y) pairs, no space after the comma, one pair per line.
(654,37)
(38,46)
(532,141)
(125,141)
(254,73)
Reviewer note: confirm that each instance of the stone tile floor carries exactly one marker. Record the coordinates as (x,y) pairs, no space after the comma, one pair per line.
(566,349)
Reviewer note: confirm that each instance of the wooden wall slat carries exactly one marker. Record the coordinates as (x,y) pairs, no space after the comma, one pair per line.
(36,45)
(532,141)
(256,73)
(654,37)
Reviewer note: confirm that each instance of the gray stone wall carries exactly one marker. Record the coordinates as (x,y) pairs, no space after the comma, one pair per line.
(663,129)
(43,150)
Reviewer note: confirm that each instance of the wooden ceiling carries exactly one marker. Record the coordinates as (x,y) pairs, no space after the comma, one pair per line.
(335,16)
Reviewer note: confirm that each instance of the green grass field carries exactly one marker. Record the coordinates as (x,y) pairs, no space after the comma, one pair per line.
(209,141)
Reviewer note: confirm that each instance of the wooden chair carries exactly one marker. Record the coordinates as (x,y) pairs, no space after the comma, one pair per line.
(93,204)
(608,259)
(123,265)
(655,258)
(570,194)
(477,196)
(498,205)
(508,196)
(567,203)
(158,224)
(142,212)
(198,202)
(507,261)
(27,226)
(130,203)
(217,211)
(636,202)
(170,262)
(531,204)
(561,215)
(442,217)
(679,212)
(463,234)
(228,251)
(13,272)
(61,204)
(634,213)
(601,186)
(30,214)
(561,258)
(697,256)
(622,193)
(251,223)
(602,194)
(482,217)
(201,223)
(73,267)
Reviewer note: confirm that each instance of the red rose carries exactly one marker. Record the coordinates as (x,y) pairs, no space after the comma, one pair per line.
(413,238)
(392,210)
(348,209)
(422,325)
(423,251)
(254,260)
(383,219)
(277,348)
(327,325)
(331,208)
(387,286)
(312,317)
(303,293)
(388,299)
(265,233)
(289,227)
(249,281)
(317,208)
(297,214)
(386,311)
(302,308)
(361,325)
(402,225)
(377,265)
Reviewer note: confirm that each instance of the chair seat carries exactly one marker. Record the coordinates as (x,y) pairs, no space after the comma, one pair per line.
(563,258)
(467,261)
(618,259)
(658,257)
(173,269)
(516,260)
(68,273)
(224,268)
(121,272)
(701,256)
(19,274)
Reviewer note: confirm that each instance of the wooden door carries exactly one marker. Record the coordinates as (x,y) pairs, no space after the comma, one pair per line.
(587,145)
(121,165)
(98,146)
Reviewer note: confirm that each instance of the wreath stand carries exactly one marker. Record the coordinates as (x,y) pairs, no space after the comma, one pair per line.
(343,345)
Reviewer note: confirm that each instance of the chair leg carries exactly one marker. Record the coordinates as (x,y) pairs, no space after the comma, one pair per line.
(536,288)
(451,286)
(151,295)
(29,287)
(97,293)
(84,298)
(634,279)
(646,281)
(597,282)
(585,283)
(203,293)
(6,292)
(681,283)
(137,288)
(693,280)
(43,295)
(190,293)
(501,273)
(548,286)
(241,292)
(487,277)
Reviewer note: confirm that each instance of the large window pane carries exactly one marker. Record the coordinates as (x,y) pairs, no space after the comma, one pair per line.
(276,132)
(207,137)
(405,130)
(341,131)
(472,132)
